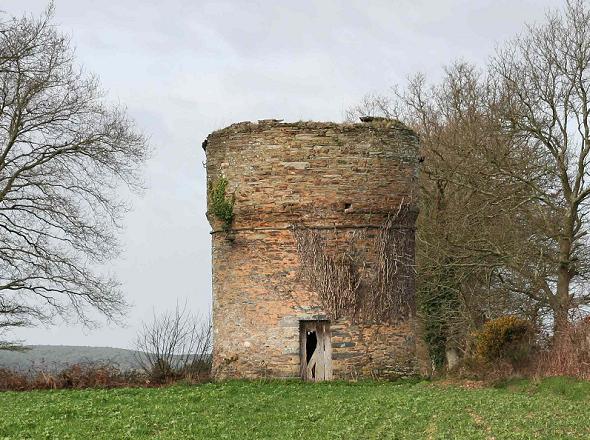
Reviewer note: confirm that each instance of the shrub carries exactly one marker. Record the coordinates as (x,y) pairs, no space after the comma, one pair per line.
(198,369)
(507,338)
(220,204)
(75,376)
(175,345)
(163,372)
(569,355)
(10,380)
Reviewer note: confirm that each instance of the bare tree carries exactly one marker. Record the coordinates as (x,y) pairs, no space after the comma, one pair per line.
(504,185)
(475,220)
(545,80)
(175,344)
(64,156)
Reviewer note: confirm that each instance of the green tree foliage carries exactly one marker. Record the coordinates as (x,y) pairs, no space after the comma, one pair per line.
(440,309)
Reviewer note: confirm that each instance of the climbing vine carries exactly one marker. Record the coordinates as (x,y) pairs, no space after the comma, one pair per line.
(336,279)
(441,308)
(379,288)
(220,204)
(392,287)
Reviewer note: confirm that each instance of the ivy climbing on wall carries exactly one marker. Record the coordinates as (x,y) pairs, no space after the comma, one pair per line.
(220,204)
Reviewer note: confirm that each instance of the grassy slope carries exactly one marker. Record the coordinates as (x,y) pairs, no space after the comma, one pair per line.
(288,410)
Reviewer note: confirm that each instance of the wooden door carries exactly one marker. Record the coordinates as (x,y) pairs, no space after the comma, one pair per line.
(316,351)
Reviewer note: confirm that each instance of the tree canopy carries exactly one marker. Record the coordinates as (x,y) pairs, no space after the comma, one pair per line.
(504,186)
(64,155)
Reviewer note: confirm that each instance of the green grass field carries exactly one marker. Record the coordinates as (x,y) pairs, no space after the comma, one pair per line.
(553,409)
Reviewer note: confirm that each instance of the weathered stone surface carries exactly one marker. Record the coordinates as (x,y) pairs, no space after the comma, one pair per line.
(340,176)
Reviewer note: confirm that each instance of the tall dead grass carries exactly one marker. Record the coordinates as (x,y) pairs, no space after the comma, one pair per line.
(569,354)
(80,376)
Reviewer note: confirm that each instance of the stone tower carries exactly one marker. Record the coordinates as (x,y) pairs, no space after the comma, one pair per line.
(314,275)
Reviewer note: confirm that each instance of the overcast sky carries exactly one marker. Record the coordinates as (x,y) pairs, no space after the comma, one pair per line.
(185,68)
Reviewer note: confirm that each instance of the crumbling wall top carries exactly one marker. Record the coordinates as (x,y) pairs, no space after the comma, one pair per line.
(262,125)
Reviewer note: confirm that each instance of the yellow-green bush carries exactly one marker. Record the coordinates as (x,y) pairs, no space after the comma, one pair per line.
(507,337)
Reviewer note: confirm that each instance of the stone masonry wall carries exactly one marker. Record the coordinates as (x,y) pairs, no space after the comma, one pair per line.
(337,177)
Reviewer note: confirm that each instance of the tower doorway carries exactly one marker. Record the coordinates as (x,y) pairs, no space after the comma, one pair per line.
(316,351)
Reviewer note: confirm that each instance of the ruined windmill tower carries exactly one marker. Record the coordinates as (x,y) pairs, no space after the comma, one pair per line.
(313,265)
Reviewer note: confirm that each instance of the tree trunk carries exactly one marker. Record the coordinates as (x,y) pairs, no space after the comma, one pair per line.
(561,301)
(560,319)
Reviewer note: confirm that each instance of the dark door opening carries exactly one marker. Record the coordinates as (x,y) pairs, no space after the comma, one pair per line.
(311,342)
(316,351)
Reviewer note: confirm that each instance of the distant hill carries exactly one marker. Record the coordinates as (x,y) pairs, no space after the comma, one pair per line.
(57,357)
